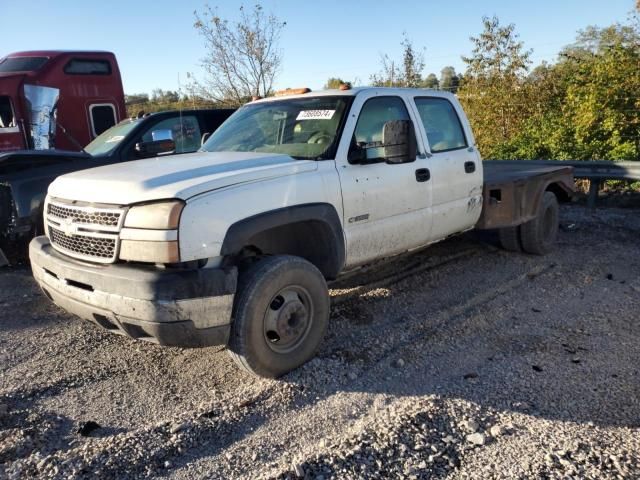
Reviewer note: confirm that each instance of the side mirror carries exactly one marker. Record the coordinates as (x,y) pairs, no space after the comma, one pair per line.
(162,134)
(205,137)
(399,141)
(155,147)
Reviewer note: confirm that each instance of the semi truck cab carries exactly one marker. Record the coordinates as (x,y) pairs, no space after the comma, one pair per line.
(58,99)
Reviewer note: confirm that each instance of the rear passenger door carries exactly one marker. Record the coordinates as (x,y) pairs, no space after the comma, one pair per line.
(456,169)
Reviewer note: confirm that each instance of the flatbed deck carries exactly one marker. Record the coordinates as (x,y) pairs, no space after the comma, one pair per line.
(512,192)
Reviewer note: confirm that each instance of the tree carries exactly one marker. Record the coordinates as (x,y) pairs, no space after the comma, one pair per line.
(242,58)
(449,80)
(587,105)
(334,83)
(405,73)
(495,93)
(136,98)
(431,81)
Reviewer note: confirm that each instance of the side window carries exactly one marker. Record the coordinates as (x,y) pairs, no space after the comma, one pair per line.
(441,122)
(7,117)
(103,117)
(185,131)
(374,114)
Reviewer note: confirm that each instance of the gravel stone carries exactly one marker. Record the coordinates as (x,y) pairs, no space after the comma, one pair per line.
(190,413)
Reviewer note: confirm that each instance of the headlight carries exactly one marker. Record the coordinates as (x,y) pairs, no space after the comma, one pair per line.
(150,233)
(156,216)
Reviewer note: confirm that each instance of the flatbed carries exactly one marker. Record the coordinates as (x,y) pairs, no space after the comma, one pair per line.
(512,193)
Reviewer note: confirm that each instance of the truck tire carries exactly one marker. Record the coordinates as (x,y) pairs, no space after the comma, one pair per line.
(281,312)
(538,236)
(510,238)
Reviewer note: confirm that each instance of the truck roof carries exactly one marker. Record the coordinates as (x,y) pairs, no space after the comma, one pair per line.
(54,53)
(352,92)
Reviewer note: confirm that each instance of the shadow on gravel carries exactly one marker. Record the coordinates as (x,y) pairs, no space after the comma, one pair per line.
(552,337)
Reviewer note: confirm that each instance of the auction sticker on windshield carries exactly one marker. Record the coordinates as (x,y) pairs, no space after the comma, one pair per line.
(315,115)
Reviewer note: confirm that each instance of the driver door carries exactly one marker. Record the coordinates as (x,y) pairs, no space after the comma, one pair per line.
(386,206)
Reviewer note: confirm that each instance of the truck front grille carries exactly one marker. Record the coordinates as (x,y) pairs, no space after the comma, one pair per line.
(84,246)
(88,232)
(101,218)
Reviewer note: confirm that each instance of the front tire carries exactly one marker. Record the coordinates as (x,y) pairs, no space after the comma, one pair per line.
(280,315)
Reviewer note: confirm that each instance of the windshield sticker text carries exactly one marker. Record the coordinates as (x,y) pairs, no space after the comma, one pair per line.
(315,115)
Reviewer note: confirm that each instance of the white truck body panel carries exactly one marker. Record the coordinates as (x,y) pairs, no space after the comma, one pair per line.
(203,239)
(177,176)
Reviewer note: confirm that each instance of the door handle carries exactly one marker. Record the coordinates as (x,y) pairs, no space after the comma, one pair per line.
(423,174)
(469,167)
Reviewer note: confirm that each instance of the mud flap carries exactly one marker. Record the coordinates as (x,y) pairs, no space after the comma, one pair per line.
(3,259)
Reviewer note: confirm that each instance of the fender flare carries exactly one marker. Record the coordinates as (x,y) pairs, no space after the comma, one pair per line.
(240,233)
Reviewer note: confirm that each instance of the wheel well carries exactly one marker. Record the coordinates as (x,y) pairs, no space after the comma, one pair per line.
(312,240)
(560,192)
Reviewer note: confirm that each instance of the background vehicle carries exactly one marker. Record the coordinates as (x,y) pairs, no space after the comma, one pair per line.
(25,175)
(234,244)
(58,99)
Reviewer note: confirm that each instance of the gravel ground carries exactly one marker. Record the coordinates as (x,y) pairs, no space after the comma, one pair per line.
(459,361)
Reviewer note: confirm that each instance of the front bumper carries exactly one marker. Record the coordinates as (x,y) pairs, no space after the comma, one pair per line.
(183,308)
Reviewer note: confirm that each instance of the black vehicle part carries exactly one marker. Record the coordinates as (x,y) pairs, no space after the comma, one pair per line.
(311,231)
(538,236)
(280,315)
(510,238)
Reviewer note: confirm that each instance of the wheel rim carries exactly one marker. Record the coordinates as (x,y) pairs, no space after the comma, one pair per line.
(287,319)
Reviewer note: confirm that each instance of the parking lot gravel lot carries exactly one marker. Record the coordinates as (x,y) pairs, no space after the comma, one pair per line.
(457,361)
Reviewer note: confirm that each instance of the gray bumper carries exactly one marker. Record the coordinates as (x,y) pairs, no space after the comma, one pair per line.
(173,307)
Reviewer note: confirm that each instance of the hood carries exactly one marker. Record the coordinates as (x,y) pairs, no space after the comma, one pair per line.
(175,176)
(21,160)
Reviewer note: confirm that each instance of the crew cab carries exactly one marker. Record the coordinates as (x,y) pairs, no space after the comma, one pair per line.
(235,244)
(25,175)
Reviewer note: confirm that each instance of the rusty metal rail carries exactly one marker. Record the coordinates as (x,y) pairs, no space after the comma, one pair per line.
(594,171)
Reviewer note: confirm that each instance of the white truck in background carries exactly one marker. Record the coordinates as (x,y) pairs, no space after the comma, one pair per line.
(234,244)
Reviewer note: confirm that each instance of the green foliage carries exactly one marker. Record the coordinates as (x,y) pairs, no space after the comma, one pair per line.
(431,81)
(404,73)
(495,92)
(449,80)
(586,106)
(588,103)
(334,83)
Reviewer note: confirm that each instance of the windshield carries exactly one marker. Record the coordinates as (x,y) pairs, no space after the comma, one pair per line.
(305,128)
(104,143)
(21,64)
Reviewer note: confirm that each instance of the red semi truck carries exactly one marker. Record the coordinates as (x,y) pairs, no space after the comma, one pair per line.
(58,99)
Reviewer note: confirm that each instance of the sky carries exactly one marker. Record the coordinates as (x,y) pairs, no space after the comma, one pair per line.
(156,44)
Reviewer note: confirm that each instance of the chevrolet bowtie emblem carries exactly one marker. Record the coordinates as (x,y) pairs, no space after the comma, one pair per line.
(68,227)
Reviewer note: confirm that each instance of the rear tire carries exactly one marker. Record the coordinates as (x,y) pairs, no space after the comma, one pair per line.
(281,313)
(510,238)
(539,235)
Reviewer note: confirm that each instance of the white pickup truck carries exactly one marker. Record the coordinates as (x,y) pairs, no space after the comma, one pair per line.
(234,244)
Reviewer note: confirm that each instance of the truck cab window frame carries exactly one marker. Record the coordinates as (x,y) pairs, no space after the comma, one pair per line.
(371,134)
(185,132)
(8,121)
(101,124)
(442,137)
